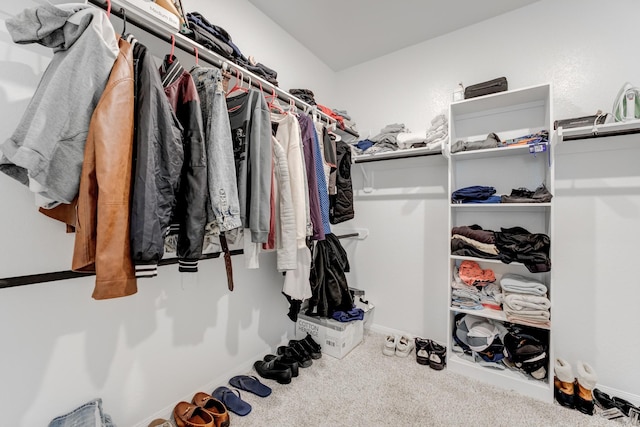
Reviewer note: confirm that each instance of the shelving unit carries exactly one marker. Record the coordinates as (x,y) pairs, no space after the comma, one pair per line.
(508,114)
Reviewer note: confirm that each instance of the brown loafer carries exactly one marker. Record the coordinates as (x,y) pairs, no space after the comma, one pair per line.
(188,415)
(214,407)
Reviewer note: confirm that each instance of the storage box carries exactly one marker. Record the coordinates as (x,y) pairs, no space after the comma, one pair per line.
(148,7)
(337,339)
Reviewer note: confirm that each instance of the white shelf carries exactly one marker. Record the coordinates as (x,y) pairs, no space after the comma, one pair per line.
(599,131)
(502,100)
(483,153)
(499,205)
(488,313)
(507,378)
(510,115)
(398,154)
(476,259)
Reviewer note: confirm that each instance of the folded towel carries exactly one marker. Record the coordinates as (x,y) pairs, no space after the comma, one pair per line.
(522,285)
(520,302)
(407,139)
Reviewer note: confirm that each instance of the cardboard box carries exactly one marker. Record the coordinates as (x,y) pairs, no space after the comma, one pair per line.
(148,7)
(337,339)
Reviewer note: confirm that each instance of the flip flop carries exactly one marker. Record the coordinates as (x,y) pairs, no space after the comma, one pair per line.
(233,403)
(250,384)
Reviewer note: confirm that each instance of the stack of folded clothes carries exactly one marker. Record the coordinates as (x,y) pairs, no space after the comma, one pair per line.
(525,301)
(218,40)
(385,141)
(474,288)
(475,194)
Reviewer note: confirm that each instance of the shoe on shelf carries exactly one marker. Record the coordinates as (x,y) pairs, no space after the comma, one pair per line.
(189,415)
(437,355)
(607,408)
(214,407)
(422,354)
(563,388)
(273,371)
(585,382)
(404,346)
(390,343)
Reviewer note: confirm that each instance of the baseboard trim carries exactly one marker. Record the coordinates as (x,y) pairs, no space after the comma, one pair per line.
(221,380)
(633,398)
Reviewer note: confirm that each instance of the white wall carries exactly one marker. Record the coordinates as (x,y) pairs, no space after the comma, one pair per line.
(585,51)
(179,334)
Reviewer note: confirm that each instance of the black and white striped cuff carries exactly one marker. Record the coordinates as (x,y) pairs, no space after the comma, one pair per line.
(146,270)
(188,266)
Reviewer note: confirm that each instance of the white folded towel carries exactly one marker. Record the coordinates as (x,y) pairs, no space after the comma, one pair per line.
(522,285)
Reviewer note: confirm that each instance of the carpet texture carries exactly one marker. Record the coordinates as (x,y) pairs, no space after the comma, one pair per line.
(366,388)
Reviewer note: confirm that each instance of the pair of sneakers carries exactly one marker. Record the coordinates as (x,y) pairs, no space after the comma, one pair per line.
(400,346)
(431,353)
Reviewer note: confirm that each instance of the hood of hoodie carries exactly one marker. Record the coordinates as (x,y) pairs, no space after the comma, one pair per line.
(57,27)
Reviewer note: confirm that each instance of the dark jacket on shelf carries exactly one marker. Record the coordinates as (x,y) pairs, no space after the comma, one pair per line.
(158,160)
(189,216)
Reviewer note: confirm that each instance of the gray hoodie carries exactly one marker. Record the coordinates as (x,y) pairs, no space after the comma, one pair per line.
(46,151)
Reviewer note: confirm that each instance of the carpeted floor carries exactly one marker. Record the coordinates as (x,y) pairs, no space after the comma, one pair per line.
(369,389)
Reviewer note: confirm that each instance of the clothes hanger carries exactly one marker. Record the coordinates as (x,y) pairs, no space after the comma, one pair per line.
(108,8)
(237,85)
(273,104)
(195,50)
(173,47)
(124,21)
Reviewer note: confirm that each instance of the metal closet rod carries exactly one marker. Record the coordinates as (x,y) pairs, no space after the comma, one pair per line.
(187,45)
(11,282)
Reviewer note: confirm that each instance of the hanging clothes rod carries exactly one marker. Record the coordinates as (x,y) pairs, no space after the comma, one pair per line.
(10,282)
(187,45)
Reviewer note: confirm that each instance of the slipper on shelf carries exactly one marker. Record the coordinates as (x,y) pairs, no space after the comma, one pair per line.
(233,402)
(250,384)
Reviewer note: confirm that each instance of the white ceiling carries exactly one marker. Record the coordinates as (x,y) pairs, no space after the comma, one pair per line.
(343,33)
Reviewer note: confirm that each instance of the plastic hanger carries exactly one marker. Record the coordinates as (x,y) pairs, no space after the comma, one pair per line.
(124,21)
(273,104)
(195,50)
(108,8)
(173,48)
(237,85)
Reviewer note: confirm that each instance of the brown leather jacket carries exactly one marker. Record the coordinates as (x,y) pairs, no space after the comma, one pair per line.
(102,206)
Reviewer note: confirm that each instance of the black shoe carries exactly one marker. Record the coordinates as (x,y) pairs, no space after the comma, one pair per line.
(284,360)
(607,407)
(437,355)
(624,406)
(312,343)
(273,371)
(306,347)
(303,359)
(422,354)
